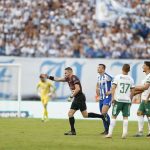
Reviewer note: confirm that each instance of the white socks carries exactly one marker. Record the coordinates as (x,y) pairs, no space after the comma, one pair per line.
(125,127)
(140,123)
(112,125)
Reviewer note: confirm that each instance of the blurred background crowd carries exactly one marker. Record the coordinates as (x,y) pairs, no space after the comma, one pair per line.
(68,28)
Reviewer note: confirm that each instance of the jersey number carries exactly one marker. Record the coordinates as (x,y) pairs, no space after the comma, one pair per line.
(124,87)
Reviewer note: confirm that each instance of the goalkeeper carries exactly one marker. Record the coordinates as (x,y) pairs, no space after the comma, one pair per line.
(45,91)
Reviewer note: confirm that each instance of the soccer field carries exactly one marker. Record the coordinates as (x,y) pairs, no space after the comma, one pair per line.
(32,134)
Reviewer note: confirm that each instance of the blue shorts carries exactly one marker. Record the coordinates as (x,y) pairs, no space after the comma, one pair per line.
(103,102)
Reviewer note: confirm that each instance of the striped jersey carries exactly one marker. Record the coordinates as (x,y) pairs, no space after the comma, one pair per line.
(104,82)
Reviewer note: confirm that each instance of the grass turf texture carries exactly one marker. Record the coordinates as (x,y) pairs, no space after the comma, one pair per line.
(32,134)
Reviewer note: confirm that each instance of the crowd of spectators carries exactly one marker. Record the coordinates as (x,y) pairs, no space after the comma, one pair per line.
(68,28)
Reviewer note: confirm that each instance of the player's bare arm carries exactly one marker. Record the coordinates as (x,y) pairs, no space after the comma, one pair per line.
(97,97)
(113,88)
(97,90)
(136,92)
(108,93)
(76,90)
(147,99)
(132,93)
(142,87)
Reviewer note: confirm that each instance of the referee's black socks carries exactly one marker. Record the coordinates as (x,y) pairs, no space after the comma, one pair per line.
(93,115)
(72,122)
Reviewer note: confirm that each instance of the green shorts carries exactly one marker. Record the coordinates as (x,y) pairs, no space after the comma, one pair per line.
(121,106)
(144,108)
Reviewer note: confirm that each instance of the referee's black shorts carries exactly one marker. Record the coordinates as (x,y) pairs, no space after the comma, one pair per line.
(79,103)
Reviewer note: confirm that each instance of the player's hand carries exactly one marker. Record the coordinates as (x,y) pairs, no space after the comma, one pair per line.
(97,98)
(108,93)
(146,101)
(113,101)
(49,94)
(39,94)
(70,98)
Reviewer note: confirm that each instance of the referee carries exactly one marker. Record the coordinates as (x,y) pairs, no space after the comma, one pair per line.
(79,100)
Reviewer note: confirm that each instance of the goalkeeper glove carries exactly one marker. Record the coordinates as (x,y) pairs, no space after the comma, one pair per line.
(49,94)
(39,94)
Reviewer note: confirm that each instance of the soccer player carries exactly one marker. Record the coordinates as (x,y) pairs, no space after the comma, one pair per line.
(45,90)
(144,108)
(103,92)
(79,100)
(122,93)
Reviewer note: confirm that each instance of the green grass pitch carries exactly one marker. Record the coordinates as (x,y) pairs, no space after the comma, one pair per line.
(32,134)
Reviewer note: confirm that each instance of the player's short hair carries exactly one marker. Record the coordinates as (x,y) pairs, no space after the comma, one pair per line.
(42,76)
(69,69)
(104,66)
(126,68)
(147,63)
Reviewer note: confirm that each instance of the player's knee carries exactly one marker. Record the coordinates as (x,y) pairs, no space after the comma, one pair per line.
(45,104)
(85,115)
(139,113)
(104,113)
(70,114)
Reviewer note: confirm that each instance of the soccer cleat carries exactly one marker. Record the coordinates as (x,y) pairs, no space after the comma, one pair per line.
(139,134)
(108,136)
(124,136)
(70,133)
(104,133)
(46,119)
(42,119)
(148,135)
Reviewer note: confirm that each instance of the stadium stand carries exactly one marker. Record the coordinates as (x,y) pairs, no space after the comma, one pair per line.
(66,28)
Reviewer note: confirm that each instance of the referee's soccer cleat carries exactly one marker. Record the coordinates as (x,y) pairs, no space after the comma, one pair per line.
(70,133)
(148,135)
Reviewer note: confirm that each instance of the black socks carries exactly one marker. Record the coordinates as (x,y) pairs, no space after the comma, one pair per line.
(72,122)
(93,115)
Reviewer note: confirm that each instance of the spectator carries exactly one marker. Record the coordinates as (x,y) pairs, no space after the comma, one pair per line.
(66,28)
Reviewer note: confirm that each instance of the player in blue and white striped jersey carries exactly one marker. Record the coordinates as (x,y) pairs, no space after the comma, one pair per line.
(103,91)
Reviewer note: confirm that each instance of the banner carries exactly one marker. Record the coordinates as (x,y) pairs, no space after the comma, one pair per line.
(109,10)
(85,69)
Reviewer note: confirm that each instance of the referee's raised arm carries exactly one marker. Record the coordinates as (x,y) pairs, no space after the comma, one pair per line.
(57,79)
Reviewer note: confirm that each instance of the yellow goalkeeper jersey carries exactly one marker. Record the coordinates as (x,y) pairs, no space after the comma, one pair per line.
(44,87)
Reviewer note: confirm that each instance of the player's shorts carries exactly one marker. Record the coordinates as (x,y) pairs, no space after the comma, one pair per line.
(45,99)
(79,103)
(144,108)
(120,106)
(106,101)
